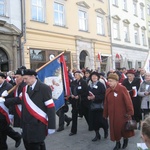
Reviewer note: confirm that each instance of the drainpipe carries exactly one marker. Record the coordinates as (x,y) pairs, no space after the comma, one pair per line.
(109,26)
(23,32)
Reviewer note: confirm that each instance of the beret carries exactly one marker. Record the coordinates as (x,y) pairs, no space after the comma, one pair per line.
(113,76)
(29,72)
(95,73)
(130,71)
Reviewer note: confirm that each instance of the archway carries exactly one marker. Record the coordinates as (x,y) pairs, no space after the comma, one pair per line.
(83,55)
(4,67)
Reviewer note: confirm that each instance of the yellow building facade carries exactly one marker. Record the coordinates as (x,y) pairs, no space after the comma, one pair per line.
(80,28)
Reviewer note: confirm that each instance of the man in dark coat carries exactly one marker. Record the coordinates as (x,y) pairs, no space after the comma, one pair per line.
(15,101)
(38,111)
(5,128)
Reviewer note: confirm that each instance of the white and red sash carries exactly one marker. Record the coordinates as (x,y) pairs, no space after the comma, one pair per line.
(4,110)
(19,106)
(33,109)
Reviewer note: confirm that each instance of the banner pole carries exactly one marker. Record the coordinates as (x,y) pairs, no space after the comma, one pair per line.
(49,62)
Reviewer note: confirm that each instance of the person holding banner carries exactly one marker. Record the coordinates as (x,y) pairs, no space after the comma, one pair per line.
(38,111)
(5,128)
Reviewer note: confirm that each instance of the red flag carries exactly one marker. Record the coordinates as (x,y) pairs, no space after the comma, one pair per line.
(65,76)
(99,57)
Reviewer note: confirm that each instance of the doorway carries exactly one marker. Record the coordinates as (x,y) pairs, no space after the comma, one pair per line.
(83,55)
(4,67)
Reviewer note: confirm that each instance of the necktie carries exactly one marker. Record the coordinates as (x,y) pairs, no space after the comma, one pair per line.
(29,89)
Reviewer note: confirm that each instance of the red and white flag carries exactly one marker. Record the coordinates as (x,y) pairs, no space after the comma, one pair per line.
(134,91)
(99,57)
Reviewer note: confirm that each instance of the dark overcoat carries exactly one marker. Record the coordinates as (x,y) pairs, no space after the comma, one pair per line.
(15,100)
(135,100)
(117,105)
(6,86)
(33,129)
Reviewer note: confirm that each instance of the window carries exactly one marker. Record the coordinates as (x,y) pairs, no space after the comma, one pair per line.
(125,4)
(130,64)
(2,7)
(38,10)
(136,36)
(134,8)
(100,25)
(142,12)
(116,30)
(115,2)
(59,14)
(143,38)
(126,33)
(83,20)
(148,9)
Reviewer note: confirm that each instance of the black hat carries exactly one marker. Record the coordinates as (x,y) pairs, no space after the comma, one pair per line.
(95,73)
(88,71)
(18,71)
(2,75)
(22,67)
(102,74)
(79,72)
(28,72)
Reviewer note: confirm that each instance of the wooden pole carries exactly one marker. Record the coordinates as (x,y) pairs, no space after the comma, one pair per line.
(49,62)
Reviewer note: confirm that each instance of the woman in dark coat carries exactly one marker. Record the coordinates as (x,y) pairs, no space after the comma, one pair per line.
(79,92)
(97,95)
(132,84)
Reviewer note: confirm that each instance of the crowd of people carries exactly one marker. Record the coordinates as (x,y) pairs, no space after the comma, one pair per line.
(105,100)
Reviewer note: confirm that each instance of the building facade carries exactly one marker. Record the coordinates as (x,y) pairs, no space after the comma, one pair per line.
(128,33)
(80,28)
(10,30)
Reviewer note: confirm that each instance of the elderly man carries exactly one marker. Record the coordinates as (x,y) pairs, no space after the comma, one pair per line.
(38,111)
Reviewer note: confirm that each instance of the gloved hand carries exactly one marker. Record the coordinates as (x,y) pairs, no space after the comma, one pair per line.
(51,131)
(2,99)
(5,93)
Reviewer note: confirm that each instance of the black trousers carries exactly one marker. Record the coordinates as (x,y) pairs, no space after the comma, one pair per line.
(6,130)
(34,146)
(62,117)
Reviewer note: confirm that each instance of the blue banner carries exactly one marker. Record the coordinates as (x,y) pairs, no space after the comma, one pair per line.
(51,75)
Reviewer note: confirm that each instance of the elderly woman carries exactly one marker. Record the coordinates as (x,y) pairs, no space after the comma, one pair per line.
(97,95)
(144,92)
(118,107)
(79,92)
(132,84)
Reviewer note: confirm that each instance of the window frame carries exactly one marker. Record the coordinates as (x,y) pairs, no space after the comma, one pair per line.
(63,23)
(143,37)
(115,2)
(135,8)
(84,19)
(126,39)
(118,31)
(4,8)
(43,4)
(100,25)
(125,5)
(137,40)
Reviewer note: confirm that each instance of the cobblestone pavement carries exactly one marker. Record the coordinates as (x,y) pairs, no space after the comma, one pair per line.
(80,141)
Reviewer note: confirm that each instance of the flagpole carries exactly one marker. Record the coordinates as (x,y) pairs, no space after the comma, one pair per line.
(49,62)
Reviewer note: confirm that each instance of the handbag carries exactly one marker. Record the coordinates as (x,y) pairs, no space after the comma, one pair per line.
(130,125)
(96,106)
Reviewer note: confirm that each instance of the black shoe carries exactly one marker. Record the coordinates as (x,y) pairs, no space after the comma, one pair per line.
(68,122)
(97,137)
(105,134)
(60,129)
(72,134)
(125,143)
(118,146)
(18,142)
